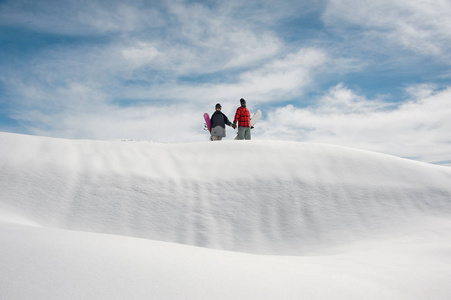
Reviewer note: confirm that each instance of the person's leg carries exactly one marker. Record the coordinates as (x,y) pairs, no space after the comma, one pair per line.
(215,138)
(241,131)
(247,135)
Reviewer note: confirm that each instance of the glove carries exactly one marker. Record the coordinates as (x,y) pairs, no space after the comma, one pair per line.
(234,125)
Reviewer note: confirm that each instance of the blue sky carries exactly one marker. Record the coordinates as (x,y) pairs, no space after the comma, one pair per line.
(373,75)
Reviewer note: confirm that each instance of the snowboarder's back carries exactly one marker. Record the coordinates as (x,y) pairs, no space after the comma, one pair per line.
(243,117)
(218,121)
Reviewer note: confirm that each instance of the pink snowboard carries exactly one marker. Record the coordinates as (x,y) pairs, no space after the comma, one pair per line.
(207,120)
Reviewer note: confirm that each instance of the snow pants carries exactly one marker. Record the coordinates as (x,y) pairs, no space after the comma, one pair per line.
(244,133)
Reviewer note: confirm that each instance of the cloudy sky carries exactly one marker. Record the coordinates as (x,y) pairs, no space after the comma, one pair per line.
(373,75)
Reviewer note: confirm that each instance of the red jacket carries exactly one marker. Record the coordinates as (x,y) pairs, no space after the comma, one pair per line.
(243,116)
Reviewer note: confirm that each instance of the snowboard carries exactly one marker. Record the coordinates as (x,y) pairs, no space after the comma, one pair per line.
(207,122)
(254,119)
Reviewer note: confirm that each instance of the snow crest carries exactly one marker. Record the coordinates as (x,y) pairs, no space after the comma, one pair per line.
(261,197)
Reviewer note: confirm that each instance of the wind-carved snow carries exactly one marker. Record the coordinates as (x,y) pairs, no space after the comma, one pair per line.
(253,197)
(258,197)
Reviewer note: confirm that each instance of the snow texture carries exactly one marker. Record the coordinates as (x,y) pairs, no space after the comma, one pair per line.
(269,220)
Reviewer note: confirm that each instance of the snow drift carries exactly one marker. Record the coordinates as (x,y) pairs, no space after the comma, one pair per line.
(254,197)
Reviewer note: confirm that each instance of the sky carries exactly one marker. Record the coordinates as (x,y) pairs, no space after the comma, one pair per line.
(373,75)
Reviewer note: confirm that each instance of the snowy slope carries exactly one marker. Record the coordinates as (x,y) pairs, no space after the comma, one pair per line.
(354,223)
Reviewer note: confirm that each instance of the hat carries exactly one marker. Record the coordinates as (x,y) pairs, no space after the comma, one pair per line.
(242,101)
(218,106)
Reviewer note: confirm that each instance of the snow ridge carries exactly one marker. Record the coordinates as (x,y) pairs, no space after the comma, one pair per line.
(261,197)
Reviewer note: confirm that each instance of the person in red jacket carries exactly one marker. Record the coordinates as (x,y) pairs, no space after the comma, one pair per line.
(243,117)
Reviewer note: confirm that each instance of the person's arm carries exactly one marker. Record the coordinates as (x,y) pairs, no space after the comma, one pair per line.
(227,121)
(211,118)
(237,115)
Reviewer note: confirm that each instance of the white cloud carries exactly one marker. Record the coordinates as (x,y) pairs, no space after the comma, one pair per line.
(172,123)
(418,128)
(116,17)
(276,80)
(283,78)
(420,26)
(75,18)
(203,40)
(345,101)
(140,54)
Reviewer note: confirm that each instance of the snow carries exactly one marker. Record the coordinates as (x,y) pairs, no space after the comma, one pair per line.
(82,219)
